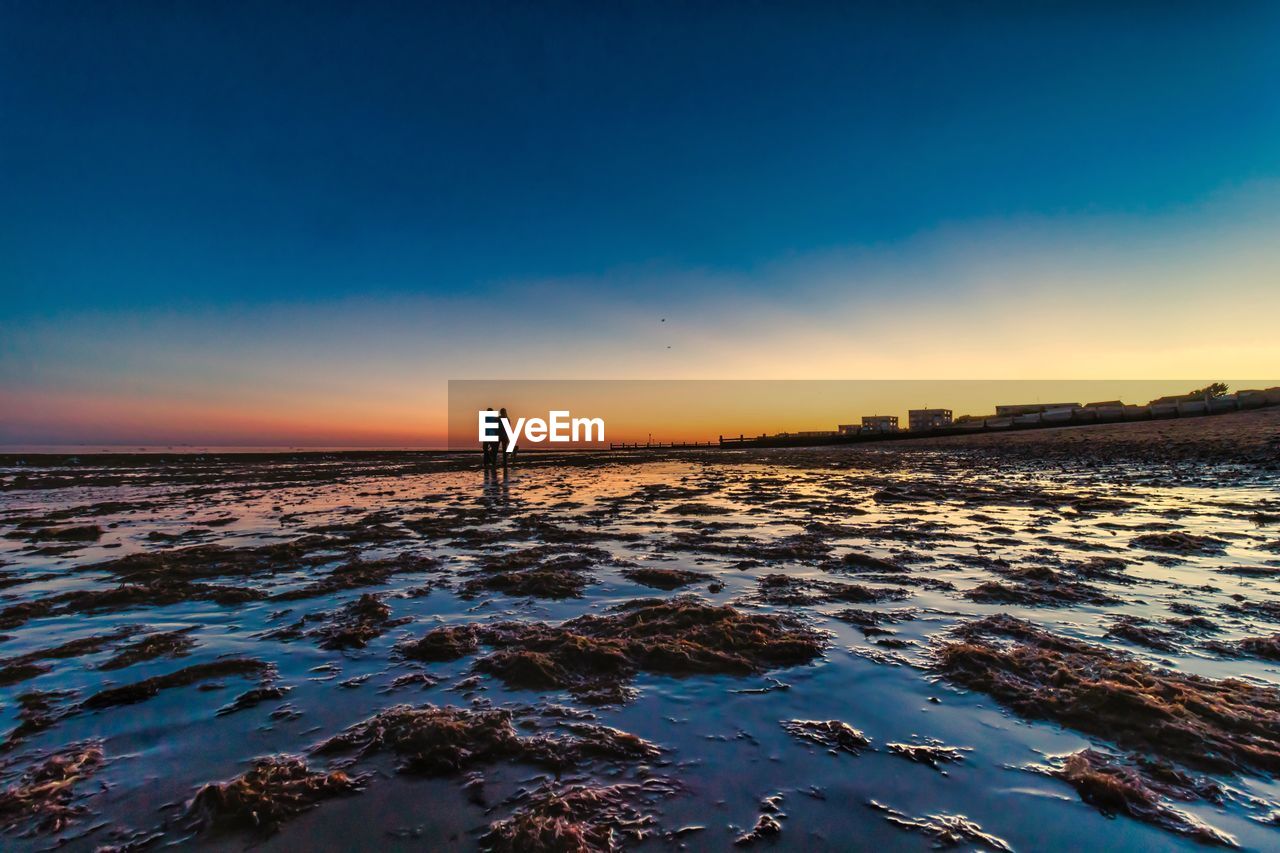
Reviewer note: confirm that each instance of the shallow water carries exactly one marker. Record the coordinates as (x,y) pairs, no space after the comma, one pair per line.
(944,517)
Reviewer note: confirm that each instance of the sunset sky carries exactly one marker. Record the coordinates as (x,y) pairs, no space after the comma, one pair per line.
(223,224)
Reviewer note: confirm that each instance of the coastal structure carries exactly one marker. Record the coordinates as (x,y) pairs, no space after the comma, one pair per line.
(924,422)
(926,419)
(880,423)
(1033,408)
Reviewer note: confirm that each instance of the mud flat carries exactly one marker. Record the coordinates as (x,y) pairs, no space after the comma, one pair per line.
(1053,638)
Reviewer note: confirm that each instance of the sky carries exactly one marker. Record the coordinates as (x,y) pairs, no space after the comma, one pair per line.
(293,223)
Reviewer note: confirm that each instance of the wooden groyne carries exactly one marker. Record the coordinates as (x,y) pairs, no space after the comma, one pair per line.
(671,445)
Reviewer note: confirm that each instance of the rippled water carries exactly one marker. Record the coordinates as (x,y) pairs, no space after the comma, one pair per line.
(947,518)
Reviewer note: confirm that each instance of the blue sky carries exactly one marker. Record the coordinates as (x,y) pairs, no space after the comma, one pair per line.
(194,166)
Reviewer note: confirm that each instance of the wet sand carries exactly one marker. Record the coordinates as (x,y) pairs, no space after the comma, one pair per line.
(1058,638)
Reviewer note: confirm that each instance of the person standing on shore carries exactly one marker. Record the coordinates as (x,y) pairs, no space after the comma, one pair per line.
(490,449)
(504,440)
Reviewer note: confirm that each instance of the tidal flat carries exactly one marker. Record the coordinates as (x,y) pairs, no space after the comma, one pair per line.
(1054,639)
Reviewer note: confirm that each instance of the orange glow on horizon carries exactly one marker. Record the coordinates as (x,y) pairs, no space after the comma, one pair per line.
(634,411)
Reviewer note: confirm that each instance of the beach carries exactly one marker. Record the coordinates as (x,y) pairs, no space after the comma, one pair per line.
(1052,638)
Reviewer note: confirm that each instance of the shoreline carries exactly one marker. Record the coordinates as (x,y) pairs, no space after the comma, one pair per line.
(767,630)
(1251,436)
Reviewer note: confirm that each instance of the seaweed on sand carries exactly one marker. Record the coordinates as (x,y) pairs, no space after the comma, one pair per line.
(274,790)
(10,578)
(38,710)
(665,578)
(1007,494)
(1222,725)
(1179,543)
(549,581)
(549,532)
(1139,788)
(140,691)
(695,508)
(871,622)
(1101,568)
(799,547)
(1251,571)
(931,753)
(208,561)
(1193,624)
(421,680)
(253,697)
(788,589)
(357,623)
(1037,586)
(17,614)
(577,557)
(595,656)
(542,571)
(80,533)
(42,800)
(357,573)
(442,644)
(433,740)
(22,667)
(186,535)
(51,517)
(947,830)
(171,644)
(13,672)
(835,735)
(857,562)
(1267,648)
(1269,610)
(1138,631)
(593,740)
(372,529)
(155,593)
(766,826)
(579,817)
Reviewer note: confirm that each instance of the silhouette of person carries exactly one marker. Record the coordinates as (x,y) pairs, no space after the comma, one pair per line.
(504,440)
(490,449)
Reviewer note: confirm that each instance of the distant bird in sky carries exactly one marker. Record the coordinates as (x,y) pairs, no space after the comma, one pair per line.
(664,319)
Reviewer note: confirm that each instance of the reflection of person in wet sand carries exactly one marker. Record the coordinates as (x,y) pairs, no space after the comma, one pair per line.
(497,493)
(504,440)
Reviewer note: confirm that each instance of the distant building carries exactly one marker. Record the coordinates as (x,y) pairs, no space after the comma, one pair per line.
(1033,408)
(846,429)
(926,419)
(815,433)
(880,423)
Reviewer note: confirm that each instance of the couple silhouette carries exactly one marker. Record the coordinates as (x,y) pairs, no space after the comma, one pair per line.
(494,449)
